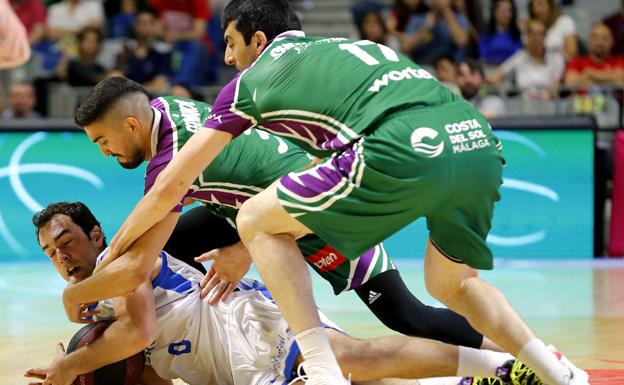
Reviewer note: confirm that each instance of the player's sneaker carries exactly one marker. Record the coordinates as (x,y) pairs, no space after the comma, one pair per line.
(577,376)
(481,381)
(320,377)
(515,372)
(512,372)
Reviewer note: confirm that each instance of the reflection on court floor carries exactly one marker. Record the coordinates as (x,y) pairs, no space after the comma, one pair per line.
(578,306)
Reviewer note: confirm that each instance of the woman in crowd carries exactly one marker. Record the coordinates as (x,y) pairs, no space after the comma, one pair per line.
(502,38)
(372,28)
(535,70)
(560,29)
(83,70)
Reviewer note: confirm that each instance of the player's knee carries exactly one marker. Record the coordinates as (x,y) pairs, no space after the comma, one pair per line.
(444,290)
(435,286)
(247,221)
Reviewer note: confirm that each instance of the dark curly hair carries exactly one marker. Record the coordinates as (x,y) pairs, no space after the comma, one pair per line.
(77,211)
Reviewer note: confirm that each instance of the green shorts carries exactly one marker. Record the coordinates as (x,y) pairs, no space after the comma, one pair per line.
(443,163)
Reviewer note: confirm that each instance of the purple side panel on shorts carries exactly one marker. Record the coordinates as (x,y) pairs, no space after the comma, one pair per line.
(221,117)
(362,267)
(327,177)
(227,198)
(321,137)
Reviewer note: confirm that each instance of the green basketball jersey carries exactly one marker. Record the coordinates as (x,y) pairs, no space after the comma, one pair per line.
(323,93)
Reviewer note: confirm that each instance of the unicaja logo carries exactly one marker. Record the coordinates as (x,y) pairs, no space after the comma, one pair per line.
(429,150)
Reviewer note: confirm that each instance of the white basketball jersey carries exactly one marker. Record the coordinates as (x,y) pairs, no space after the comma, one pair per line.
(242,341)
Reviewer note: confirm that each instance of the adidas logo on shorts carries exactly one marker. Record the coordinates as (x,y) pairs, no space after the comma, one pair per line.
(372,297)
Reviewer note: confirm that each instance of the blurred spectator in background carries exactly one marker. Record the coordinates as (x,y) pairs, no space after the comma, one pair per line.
(536,71)
(32,13)
(471,80)
(69,17)
(561,29)
(615,23)
(22,102)
(184,91)
(83,70)
(121,23)
(502,38)
(182,19)
(184,25)
(446,73)
(599,67)
(145,59)
(400,14)
(14,47)
(440,31)
(2,101)
(473,12)
(372,27)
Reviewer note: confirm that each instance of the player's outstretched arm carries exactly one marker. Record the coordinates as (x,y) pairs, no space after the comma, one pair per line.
(14,44)
(171,185)
(134,330)
(126,273)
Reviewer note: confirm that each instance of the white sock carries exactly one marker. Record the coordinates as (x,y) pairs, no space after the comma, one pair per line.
(544,363)
(480,363)
(439,381)
(317,352)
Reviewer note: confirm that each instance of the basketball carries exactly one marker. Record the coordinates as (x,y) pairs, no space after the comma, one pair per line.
(124,372)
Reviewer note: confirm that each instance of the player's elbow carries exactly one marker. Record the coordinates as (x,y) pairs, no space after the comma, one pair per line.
(140,335)
(162,197)
(138,271)
(146,336)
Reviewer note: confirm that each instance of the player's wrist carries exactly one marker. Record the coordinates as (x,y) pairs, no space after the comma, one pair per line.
(241,250)
(69,365)
(69,299)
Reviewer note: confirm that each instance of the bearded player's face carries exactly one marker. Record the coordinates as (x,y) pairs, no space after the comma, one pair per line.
(118,139)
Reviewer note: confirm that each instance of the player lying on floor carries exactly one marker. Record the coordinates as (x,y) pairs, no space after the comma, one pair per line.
(241,341)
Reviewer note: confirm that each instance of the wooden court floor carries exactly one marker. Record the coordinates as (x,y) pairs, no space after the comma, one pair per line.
(576,305)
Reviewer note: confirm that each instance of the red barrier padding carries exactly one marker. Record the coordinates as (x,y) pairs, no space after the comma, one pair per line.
(616,233)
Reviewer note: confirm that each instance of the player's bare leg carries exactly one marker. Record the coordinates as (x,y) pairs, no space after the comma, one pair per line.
(488,344)
(389,381)
(269,233)
(459,287)
(410,358)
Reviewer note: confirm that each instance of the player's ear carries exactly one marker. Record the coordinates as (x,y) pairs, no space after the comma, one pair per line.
(260,41)
(132,123)
(97,236)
